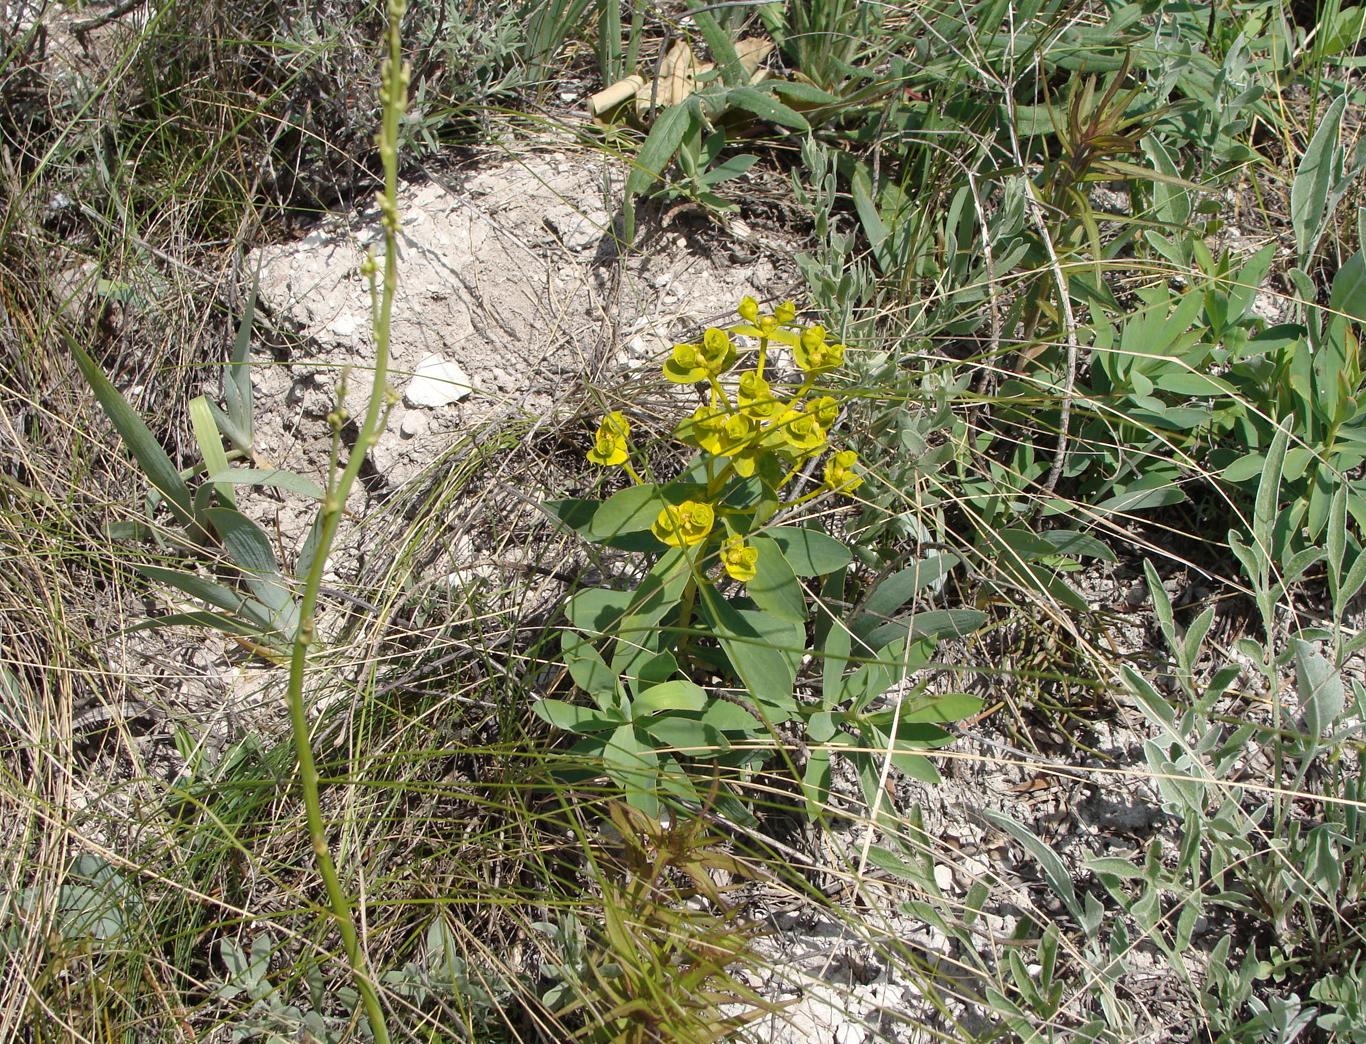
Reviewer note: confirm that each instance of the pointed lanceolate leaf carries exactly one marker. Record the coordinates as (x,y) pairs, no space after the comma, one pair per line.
(1314,178)
(269,478)
(237,376)
(1322,694)
(150,457)
(210,442)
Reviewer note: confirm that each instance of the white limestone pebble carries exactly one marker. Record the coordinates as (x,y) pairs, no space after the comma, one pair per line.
(437,382)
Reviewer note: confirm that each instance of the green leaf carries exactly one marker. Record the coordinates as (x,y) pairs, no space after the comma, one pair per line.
(808,551)
(766,107)
(269,478)
(1319,684)
(571,717)
(804,93)
(1113,866)
(210,442)
(136,436)
(1142,495)
(691,737)
(816,782)
(941,707)
(725,716)
(598,611)
(1053,869)
(638,638)
(932,624)
(731,168)
(1246,467)
(679,695)
(899,588)
(631,510)
(237,391)
(586,666)
(660,146)
(214,622)
(892,663)
(722,49)
(213,594)
(1075,544)
(1268,490)
(1313,179)
(775,587)
(634,766)
(1349,288)
(249,548)
(763,650)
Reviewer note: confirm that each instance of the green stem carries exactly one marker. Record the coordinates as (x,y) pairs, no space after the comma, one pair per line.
(394,97)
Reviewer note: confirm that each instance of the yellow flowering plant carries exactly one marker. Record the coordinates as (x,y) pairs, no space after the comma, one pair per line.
(725,599)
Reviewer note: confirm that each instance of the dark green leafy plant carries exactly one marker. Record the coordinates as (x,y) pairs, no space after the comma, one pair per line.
(690,673)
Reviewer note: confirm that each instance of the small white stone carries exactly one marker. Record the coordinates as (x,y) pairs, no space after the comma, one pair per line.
(413,424)
(437,382)
(943,877)
(345,325)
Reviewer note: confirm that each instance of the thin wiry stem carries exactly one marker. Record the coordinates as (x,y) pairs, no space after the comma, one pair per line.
(393,91)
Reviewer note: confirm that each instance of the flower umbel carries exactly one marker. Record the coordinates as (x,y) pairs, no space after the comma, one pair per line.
(840,476)
(740,560)
(610,440)
(691,363)
(815,354)
(685,525)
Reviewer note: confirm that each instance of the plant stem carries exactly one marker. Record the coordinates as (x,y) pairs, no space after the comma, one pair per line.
(393,95)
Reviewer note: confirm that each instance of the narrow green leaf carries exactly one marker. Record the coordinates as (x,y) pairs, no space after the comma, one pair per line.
(210,442)
(237,391)
(766,107)
(150,457)
(1314,177)
(660,146)
(1053,869)
(214,594)
(1268,490)
(269,478)
(722,48)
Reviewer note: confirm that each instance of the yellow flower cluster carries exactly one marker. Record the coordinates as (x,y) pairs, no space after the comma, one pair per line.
(745,427)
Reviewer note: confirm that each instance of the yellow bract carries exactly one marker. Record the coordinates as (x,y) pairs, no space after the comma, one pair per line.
(815,354)
(740,560)
(691,363)
(611,440)
(685,525)
(755,395)
(839,472)
(795,433)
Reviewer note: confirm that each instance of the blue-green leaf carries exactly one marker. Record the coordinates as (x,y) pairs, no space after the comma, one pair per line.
(808,551)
